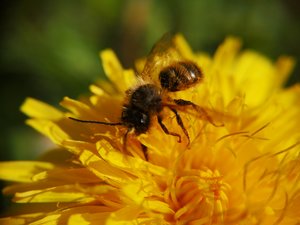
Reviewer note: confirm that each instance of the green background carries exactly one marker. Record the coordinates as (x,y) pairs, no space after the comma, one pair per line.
(49,49)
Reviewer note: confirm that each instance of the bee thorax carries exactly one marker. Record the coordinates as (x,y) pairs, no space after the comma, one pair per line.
(147,98)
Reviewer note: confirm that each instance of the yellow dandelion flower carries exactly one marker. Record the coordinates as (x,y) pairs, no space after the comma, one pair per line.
(237,162)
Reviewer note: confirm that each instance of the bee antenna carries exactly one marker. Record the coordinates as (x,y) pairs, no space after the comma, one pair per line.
(97,122)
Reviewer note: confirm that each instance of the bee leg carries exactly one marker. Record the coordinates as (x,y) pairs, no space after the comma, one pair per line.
(145,151)
(125,137)
(165,129)
(180,123)
(182,102)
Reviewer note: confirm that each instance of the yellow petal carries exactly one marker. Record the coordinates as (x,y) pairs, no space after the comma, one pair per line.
(102,169)
(22,171)
(48,220)
(140,64)
(80,175)
(255,76)
(12,221)
(220,72)
(128,216)
(123,79)
(88,218)
(117,159)
(183,47)
(49,129)
(20,219)
(86,215)
(226,54)
(37,109)
(138,191)
(284,67)
(65,193)
(128,213)
(96,90)
(75,216)
(76,107)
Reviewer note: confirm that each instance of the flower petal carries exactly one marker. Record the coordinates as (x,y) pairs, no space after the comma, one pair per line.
(65,193)
(37,109)
(49,129)
(122,79)
(22,171)
(117,159)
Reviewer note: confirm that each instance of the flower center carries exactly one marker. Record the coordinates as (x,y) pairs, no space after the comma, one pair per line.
(199,195)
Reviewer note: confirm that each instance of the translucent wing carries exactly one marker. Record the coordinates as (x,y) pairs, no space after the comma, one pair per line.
(163,53)
(214,117)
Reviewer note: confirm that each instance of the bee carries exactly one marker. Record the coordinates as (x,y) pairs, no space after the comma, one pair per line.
(165,72)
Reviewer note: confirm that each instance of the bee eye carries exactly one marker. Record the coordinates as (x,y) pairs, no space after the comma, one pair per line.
(144,119)
(142,122)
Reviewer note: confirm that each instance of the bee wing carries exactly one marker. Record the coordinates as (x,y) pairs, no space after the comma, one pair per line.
(162,54)
(214,117)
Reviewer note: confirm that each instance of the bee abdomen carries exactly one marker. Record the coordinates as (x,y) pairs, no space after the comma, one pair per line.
(180,76)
